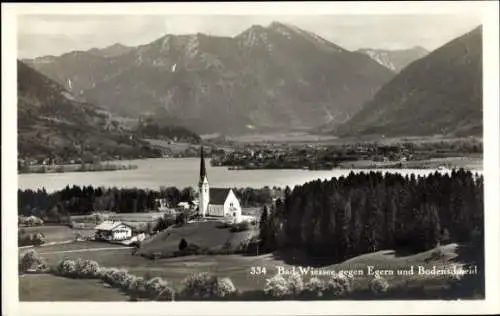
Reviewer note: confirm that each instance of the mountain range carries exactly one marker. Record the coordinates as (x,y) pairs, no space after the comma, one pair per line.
(397,59)
(266,78)
(280,77)
(52,123)
(440,93)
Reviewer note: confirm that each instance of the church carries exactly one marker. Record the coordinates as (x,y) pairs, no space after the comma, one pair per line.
(216,202)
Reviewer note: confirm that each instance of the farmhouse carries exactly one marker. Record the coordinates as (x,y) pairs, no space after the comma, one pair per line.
(217,202)
(110,231)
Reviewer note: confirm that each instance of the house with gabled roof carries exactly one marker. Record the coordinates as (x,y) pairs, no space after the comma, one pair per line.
(113,230)
(216,202)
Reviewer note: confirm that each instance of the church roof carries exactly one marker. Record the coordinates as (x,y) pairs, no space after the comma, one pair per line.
(218,195)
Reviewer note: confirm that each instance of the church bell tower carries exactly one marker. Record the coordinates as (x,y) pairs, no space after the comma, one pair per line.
(203,186)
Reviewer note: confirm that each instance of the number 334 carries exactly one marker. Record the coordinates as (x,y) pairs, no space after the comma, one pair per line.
(257,270)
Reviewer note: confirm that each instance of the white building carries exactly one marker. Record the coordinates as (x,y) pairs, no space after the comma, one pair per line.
(217,202)
(162,204)
(109,231)
(184,205)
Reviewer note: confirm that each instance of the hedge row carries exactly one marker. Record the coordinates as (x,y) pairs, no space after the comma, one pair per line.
(293,286)
(202,286)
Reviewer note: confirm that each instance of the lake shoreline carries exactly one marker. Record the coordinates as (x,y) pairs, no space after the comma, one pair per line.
(155,173)
(75,168)
(466,162)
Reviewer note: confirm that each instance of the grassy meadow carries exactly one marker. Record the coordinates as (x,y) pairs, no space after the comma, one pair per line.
(56,233)
(47,287)
(236,267)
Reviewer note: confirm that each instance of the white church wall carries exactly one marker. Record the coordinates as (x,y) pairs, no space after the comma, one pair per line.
(232,206)
(215,210)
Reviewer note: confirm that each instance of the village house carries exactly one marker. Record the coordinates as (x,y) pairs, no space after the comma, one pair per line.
(184,205)
(113,231)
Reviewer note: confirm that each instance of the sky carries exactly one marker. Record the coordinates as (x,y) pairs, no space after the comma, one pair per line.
(41,35)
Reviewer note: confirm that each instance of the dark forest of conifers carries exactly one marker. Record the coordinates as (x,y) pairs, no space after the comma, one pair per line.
(56,206)
(347,216)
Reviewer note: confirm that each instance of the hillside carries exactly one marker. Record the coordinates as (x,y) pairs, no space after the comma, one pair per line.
(207,235)
(52,123)
(277,77)
(396,60)
(438,94)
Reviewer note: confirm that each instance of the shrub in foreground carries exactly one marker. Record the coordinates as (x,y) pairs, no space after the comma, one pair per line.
(337,285)
(277,287)
(207,286)
(225,288)
(129,279)
(163,293)
(295,284)
(153,286)
(118,277)
(314,288)
(199,286)
(31,261)
(379,285)
(86,268)
(137,287)
(66,267)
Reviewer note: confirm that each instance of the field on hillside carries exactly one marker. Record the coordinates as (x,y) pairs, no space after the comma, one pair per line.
(211,235)
(138,221)
(125,217)
(282,137)
(46,287)
(175,147)
(56,233)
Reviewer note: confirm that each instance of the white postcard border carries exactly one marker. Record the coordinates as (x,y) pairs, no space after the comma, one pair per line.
(488,11)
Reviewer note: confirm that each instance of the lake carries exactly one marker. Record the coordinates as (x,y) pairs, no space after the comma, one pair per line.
(183,172)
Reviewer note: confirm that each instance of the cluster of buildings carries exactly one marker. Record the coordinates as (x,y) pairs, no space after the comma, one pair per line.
(220,204)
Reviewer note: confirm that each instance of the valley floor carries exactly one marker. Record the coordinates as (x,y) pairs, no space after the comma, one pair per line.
(468,162)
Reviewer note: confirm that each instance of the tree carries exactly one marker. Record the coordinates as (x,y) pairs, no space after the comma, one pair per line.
(433,228)
(181,219)
(187,194)
(183,244)
(264,229)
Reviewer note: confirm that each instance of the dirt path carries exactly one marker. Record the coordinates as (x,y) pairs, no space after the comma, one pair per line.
(49,244)
(84,250)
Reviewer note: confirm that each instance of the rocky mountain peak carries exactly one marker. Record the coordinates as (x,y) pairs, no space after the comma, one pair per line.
(267,77)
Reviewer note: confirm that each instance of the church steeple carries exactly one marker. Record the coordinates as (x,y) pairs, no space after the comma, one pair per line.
(203,170)
(203,186)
